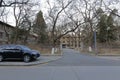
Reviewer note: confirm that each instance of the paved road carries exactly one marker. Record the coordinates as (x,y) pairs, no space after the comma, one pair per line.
(74,58)
(61,73)
(73,66)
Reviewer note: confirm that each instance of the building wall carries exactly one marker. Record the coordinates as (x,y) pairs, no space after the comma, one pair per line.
(70,41)
(6,31)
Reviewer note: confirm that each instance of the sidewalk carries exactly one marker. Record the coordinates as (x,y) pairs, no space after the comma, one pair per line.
(41,60)
(105,56)
(110,57)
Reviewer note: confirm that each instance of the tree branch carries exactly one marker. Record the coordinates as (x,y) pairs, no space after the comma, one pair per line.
(12,3)
(110,9)
(59,14)
(72,30)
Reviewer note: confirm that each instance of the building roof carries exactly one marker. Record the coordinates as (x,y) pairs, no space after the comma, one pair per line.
(3,23)
(7,25)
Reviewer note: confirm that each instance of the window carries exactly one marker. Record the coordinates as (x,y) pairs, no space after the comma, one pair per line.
(63,37)
(63,41)
(7,35)
(1,34)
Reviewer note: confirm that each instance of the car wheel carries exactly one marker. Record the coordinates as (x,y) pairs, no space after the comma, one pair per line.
(1,58)
(26,58)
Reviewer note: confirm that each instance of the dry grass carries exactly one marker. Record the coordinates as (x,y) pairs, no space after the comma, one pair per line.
(104,51)
(112,48)
(107,51)
(44,50)
(40,49)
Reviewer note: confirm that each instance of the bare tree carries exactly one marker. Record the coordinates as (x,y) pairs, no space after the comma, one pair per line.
(8,3)
(23,14)
(110,9)
(17,9)
(28,20)
(87,10)
(54,14)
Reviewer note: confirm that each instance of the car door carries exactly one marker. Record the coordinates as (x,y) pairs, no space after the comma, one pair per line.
(17,53)
(12,52)
(8,53)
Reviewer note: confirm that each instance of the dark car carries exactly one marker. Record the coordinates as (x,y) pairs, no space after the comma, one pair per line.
(18,52)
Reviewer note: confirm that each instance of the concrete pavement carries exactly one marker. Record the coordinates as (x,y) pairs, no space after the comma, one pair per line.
(41,60)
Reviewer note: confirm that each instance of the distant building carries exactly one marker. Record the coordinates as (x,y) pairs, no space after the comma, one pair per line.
(6,31)
(70,41)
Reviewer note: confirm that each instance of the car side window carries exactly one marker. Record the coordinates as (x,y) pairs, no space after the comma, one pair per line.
(10,47)
(7,48)
(18,48)
(2,47)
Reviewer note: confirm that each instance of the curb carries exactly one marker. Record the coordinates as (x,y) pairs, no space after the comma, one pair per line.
(107,55)
(27,64)
(100,54)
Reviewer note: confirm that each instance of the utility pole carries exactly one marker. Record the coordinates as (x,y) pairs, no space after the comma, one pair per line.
(95,42)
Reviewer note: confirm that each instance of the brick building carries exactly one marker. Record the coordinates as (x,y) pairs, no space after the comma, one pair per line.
(6,31)
(70,41)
